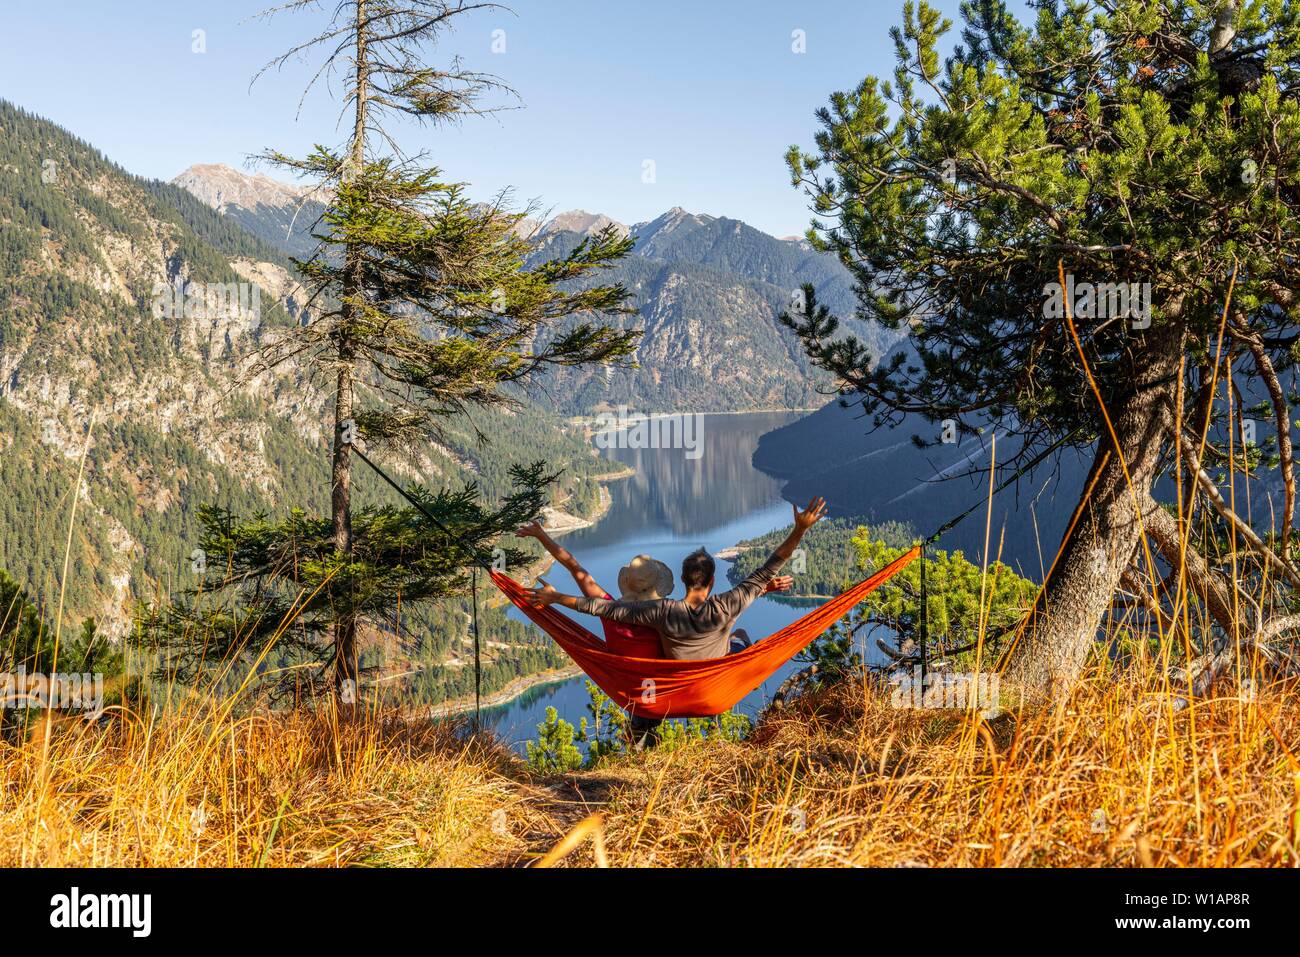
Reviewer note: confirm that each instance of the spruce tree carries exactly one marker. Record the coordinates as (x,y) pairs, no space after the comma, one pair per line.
(423,306)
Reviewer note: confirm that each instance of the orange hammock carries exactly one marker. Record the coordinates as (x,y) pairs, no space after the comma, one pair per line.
(663,687)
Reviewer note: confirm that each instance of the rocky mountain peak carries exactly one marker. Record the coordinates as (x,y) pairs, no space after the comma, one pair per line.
(221,186)
(581,221)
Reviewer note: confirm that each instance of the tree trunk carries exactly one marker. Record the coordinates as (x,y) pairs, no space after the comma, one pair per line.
(345,627)
(1225,27)
(1063,624)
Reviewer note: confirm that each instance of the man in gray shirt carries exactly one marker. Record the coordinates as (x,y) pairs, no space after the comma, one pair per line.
(698,626)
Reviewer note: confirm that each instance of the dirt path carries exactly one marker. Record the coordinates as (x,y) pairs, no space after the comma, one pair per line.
(565,802)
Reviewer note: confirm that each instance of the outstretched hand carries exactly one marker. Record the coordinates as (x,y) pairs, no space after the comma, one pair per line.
(530,530)
(542,596)
(810,516)
(780,583)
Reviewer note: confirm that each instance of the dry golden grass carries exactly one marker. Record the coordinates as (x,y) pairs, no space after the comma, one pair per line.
(839,778)
(208,789)
(846,779)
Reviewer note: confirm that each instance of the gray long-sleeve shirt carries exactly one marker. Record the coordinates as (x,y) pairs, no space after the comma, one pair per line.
(686,633)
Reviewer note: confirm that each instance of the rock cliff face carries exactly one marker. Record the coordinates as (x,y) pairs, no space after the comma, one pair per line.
(278,213)
(709,290)
(222,187)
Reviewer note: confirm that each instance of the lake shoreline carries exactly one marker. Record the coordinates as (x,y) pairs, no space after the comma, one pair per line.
(729,555)
(590,422)
(515,689)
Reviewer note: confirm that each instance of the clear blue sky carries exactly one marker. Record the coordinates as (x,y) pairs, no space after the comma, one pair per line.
(709,90)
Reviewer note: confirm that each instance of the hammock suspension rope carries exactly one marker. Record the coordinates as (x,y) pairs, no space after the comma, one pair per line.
(478,562)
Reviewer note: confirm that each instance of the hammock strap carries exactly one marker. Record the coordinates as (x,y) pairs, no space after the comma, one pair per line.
(478,561)
(478,671)
(924,622)
(456,539)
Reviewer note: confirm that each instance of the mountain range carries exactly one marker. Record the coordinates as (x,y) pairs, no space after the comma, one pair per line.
(169,419)
(708,290)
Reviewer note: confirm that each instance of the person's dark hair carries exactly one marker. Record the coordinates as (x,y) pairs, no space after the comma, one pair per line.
(697,569)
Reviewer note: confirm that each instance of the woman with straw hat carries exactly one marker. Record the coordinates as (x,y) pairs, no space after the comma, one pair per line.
(642,579)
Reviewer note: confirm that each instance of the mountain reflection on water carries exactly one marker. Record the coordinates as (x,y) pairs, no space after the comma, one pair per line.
(692,495)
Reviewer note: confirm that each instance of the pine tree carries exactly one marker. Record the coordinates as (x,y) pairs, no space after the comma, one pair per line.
(24,637)
(969,611)
(1149,146)
(554,750)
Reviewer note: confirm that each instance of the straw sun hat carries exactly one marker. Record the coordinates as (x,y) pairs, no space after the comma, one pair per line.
(645,579)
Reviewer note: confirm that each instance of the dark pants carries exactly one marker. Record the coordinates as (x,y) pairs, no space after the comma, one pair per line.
(739,641)
(642,732)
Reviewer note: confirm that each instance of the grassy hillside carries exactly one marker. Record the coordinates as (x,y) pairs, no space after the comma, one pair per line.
(1117,775)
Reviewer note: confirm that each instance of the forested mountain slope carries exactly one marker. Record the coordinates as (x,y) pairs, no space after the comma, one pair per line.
(92,355)
(881,475)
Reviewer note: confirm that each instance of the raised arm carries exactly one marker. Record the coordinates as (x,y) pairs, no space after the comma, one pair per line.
(803,520)
(764,578)
(586,584)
